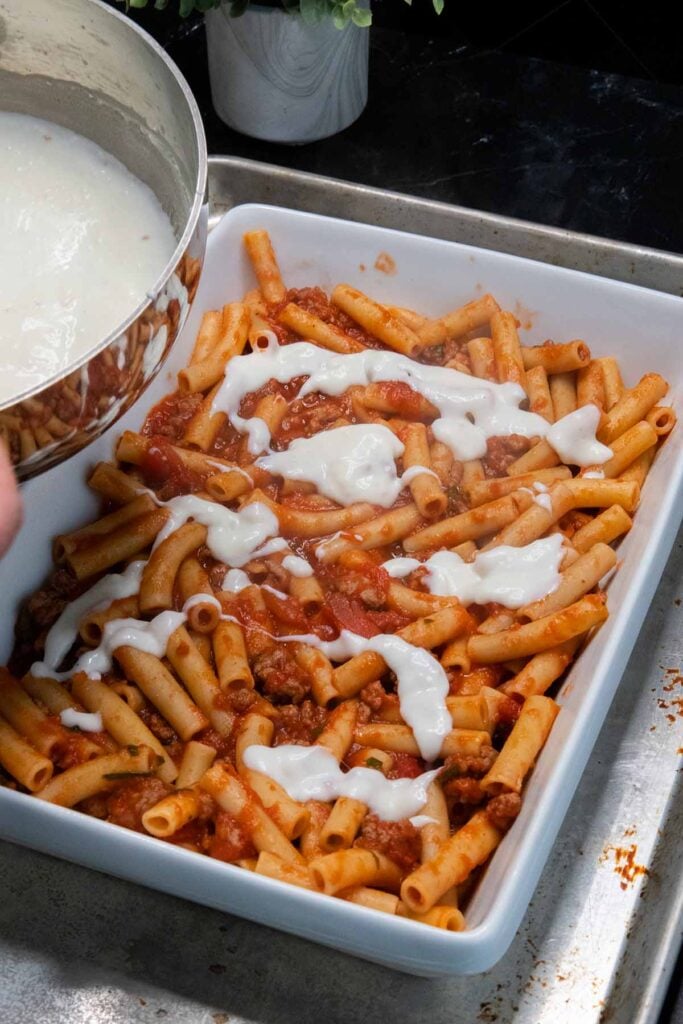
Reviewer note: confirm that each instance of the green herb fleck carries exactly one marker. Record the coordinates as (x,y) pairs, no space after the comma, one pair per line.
(373,762)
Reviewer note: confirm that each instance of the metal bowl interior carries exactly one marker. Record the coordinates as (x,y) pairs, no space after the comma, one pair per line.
(87,67)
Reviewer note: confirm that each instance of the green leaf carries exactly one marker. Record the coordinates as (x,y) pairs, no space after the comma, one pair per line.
(438,5)
(373,762)
(186,7)
(160,5)
(362,17)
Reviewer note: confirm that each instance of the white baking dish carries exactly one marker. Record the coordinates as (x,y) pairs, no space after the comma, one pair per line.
(641,327)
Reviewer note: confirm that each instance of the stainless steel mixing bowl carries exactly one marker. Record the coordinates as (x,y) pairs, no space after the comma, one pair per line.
(87,67)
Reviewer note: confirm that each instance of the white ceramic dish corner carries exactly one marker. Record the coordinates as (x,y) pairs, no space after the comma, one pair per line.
(643,328)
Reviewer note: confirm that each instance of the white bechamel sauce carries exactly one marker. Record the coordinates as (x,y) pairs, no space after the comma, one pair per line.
(573,438)
(509,576)
(420,820)
(81,243)
(540,488)
(236,580)
(86,721)
(593,474)
(63,633)
(233,537)
(347,464)
(312,773)
(471,410)
(150,637)
(399,568)
(271,547)
(297,566)
(545,501)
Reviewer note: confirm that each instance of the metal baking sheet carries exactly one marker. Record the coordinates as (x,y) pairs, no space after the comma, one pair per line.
(599,941)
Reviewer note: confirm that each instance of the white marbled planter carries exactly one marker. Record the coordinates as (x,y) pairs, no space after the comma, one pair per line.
(276,78)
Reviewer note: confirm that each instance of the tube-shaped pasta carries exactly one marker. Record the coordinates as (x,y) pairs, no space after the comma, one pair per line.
(233,338)
(541,671)
(436,831)
(590,386)
(605,528)
(253,729)
(169,815)
(197,758)
(371,757)
(482,491)
(199,680)
(443,463)
(374,533)
(482,359)
(541,456)
(193,581)
(120,720)
(589,493)
(345,868)
(26,717)
(449,918)
(522,641)
(470,525)
(122,543)
(326,335)
(399,399)
(133,448)
(319,670)
(581,576)
(563,394)
(455,655)
(507,349)
(66,543)
(633,406)
(459,321)
(51,694)
(296,522)
(374,899)
(472,472)
(427,492)
(452,864)
(271,866)
(205,425)
(289,816)
(535,520)
(159,687)
(23,763)
(230,654)
(113,484)
(662,419)
(337,734)
(207,336)
(637,471)
(538,391)
(399,739)
(231,794)
(470,711)
(376,319)
(611,379)
(522,746)
(309,840)
(308,592)
(97,776)
(159,574)
(414,602)
(554,358)
(628,446)
(232,483)
(260,251)
(341,828)
(93,622)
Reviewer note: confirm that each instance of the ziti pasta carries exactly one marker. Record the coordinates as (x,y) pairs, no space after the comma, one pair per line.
(337,576)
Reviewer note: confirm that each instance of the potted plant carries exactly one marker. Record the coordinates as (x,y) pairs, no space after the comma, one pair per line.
(288,71)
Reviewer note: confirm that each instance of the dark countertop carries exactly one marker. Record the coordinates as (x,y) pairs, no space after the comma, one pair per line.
(499,131)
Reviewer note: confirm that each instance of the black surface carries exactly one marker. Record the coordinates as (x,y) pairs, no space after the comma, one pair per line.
(569,114)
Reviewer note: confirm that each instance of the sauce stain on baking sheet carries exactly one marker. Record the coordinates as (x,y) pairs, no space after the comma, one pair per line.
(525,317)
(385,263)
(625,864)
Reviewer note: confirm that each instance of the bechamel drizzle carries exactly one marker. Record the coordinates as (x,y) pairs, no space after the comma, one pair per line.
(506,575)
(471,410)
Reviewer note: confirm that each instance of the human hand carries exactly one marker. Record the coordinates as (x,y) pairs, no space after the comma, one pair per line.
(10,502)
